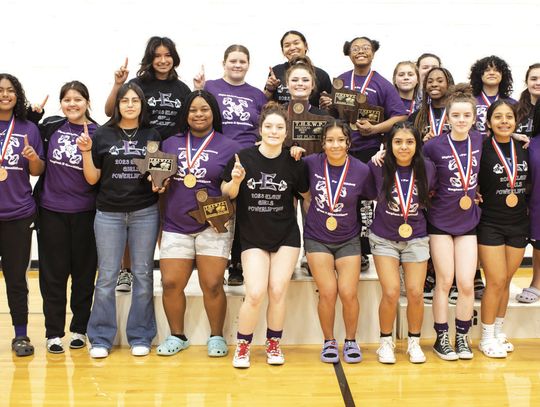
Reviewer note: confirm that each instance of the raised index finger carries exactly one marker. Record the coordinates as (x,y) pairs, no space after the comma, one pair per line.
(42,105)
(85,129)
(272,72)
(236,158)
(26,144)
(125,63)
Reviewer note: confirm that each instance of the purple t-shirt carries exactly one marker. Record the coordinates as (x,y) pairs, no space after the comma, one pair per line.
(240,107)
(409,105)
(379,92)
(388,215)
(16,201)
(64,188)
(534,201)
(445,212)
(207,169)
(481,112)
(345,211)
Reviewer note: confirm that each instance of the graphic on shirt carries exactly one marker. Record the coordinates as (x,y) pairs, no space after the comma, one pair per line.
(11,158)
(322,197)
(128,147)
(67,148)
(456,180)
(196,169)
(235,109)
(393,206)
(499,169)
(266,182)
(164,101)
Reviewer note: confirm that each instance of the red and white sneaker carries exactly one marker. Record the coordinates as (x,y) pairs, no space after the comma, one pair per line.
(241,355)
(274,355)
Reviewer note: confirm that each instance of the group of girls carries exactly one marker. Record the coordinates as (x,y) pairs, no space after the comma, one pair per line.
(425,205)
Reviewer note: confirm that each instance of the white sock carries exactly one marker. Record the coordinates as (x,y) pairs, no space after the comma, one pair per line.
(499,322)
(488,331)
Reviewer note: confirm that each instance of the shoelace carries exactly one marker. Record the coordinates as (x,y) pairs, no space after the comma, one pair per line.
(242,350)
(445,344)
(414,346)
(273,347)
(462,343)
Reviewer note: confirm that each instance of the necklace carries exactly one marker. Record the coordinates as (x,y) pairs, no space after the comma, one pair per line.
(130,136)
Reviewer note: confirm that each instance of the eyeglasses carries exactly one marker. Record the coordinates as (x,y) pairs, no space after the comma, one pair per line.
(356,49)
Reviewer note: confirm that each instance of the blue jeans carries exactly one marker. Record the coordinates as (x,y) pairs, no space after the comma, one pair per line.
(113,229)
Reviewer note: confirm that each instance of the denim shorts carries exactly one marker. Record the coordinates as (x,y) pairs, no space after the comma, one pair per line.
(205,243)
(348,248)
(410,251)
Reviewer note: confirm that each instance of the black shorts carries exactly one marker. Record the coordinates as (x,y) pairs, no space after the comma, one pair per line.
(432,230)
(515,235)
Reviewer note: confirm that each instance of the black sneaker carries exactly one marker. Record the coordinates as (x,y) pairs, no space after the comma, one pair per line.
(442,347)
(236,277)
(429,285)
(124,281)
(463,347)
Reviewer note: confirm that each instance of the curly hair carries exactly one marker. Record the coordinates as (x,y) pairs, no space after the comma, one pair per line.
(146,71)
(480,66)
(20,109)
(375,45)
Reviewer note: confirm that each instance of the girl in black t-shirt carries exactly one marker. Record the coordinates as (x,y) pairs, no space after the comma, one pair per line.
(264,180)
(504,225)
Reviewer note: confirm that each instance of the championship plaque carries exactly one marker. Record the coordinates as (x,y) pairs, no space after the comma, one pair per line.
(214,210)
(345,101)
(373,114)
(304,128)
(159,164)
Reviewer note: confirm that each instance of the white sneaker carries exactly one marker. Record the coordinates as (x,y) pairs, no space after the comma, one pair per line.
(98,352)
(140,350)
(386,350)
(241,355)
(503,340)
(54,345)
(492,348)
(274,355)
(416,355)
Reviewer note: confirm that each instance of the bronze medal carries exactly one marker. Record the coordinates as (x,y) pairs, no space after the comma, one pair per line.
(3,174)
(337,83)
(331,223)
(511,200)
(465,202)
(405,230)
(190,181)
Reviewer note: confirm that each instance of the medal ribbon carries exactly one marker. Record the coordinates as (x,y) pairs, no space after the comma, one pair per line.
(411,107)
(366,81)
(509,168)
(485,98)
(9,132)
(465,175)
(404,201)
(191,161)
(433,121)
(333,199)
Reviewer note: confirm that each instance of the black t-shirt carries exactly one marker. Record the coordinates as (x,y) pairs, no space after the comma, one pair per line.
(165,99)
(495,187)
(265,203)
(281,94)
(122,187)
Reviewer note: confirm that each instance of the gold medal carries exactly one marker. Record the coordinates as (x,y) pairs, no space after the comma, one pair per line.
(298,108)
(405,230)
(465,202)
(511,200)
(3,174)
(331,223)
(190,181)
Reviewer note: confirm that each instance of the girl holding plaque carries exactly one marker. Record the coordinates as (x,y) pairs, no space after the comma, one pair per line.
(127,212)
(203,152)
(331,236)
(504,225)
(405,79)
(452,220)
(67,207)
(21,153)
(398,234)
(265,180)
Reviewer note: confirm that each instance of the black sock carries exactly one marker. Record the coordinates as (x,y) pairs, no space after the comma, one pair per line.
(180,336)
(350,340)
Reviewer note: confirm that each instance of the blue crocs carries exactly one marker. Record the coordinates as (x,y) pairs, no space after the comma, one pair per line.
(171,346)
(217,347)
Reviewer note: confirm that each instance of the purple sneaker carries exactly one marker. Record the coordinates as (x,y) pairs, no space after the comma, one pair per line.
(330,352)
(351,352)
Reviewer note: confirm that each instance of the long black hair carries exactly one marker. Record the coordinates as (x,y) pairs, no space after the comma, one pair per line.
(80,88)
(495,105)
(20,108)
(524,106)
(211,100)
(480,66)
(116,117)
(417,164)
(146,71)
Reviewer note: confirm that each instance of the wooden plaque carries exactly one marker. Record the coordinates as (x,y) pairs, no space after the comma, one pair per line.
(345,101)
(159,164)
(304,129)
(373,114)
(215,211)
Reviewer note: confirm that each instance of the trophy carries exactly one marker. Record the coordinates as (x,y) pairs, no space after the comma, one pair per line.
(214,210)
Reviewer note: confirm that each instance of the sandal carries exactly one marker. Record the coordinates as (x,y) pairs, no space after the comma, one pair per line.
(503,340)
(351,352)
(492,348)
(217,347)
(21,346)
(171,346)
(330,352)
(529,295)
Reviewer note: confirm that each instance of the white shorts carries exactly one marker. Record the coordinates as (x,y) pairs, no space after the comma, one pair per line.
(205,243)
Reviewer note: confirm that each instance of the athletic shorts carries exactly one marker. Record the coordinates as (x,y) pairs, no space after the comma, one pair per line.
(490,234)
(409,251)
(348,248)
(205,243)
(432,230)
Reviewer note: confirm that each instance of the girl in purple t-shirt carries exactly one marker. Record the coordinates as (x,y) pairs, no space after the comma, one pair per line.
(452,218)
(67,245)
(398,234)
(405,79)
(20,157)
